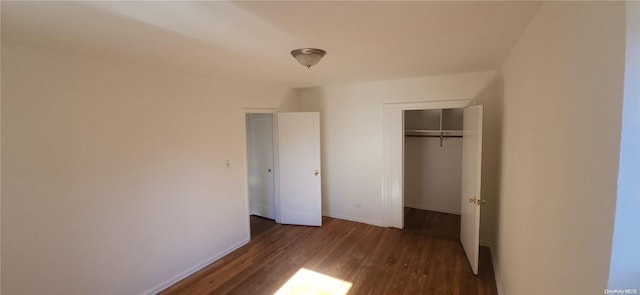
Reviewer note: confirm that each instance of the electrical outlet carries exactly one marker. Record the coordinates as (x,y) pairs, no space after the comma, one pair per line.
(227,163)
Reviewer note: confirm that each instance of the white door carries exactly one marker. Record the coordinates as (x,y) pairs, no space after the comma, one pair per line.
(299,163)
(260,165)
(471,172)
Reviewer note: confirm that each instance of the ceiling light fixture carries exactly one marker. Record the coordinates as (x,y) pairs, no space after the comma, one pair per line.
(308,56)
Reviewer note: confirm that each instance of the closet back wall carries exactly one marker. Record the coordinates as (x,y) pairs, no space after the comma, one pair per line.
(433,174)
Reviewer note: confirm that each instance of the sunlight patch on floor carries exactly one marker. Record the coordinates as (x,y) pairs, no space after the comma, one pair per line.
(309,282)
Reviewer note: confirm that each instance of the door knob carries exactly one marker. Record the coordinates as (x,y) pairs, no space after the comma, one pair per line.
(476,201)
(317,173)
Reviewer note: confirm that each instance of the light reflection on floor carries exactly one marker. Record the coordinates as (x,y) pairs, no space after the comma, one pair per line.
(309,282)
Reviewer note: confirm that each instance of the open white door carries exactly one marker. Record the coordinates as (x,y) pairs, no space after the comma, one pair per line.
(260,165)
(471,173)
(299,178)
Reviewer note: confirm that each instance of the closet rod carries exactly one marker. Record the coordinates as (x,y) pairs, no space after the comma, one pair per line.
(438,136)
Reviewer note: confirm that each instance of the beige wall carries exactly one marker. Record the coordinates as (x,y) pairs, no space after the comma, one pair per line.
(351,130)
(563,86)
(0,171)
(114,177)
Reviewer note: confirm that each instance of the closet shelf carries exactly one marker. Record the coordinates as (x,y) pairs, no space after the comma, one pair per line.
(423,124)
(433,133)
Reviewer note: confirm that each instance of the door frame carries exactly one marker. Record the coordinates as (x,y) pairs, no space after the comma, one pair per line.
(276,168)
(393,154)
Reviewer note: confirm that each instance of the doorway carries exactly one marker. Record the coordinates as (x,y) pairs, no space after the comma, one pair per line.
(283,168)
(433,171)
(393,169)
(393,154)
(260,171)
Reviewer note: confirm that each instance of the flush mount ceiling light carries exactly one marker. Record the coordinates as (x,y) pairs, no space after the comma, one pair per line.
(308,56)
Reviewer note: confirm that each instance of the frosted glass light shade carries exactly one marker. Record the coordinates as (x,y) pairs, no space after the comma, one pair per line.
(308,56)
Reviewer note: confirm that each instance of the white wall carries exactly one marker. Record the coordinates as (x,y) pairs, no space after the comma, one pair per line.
(351,131)
(114,177)
(433,174)
(0,170)
(625,259)
(561,134)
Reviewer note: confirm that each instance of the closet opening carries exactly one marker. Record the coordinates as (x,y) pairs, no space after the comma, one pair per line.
(433,171)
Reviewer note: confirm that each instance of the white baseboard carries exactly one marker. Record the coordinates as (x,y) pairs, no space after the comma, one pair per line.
(423,207)
(496,271)
(168,283)
(338,216)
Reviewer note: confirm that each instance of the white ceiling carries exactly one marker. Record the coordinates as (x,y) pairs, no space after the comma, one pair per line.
(251,40)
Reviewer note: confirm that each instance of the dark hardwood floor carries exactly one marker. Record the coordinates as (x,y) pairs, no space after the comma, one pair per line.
(375,260)
(431,223)
(260,225)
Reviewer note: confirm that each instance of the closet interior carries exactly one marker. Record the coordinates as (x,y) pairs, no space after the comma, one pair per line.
(433,171)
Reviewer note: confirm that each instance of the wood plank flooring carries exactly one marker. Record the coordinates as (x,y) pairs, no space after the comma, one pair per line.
(431,223)
(260,225)
(375,260)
